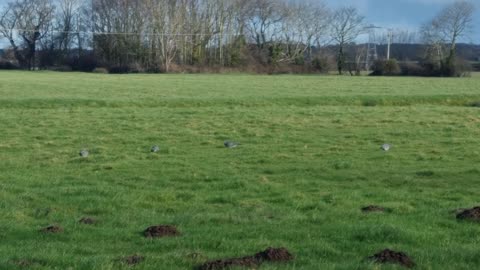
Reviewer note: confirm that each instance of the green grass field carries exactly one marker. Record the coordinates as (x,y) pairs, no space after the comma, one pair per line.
(310,159)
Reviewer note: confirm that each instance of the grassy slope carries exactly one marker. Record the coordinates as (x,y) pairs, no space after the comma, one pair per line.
(310,159)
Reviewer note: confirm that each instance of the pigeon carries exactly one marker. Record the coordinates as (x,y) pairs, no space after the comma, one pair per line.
(230,144)
(155,149)
(386,147)
(84,153)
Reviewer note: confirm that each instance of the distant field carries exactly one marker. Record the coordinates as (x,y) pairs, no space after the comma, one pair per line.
(309,160)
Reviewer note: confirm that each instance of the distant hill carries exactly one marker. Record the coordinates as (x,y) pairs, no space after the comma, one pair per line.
(469,52)
(416,52)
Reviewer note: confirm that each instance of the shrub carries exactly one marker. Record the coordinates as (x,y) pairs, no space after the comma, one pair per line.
(411,69)
(274,54)
(476,67)
(7,65)
(392,67)
(85,63)
(299,60)
(100,70)
(461,68)
(123,69)
(445,68)
(136,68)
(48,59)
(61,68)
(378,68)
(385,68)
(153,69)
(320,64)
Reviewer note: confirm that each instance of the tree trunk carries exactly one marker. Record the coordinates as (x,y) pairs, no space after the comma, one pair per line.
(340,60)
(18,55)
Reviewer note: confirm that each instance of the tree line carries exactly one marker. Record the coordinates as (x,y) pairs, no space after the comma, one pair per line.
(168,35)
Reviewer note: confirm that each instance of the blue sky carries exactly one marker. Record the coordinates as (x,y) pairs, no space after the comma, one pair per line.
(404,14)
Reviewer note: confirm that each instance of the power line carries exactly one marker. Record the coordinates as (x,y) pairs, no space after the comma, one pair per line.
(117,33)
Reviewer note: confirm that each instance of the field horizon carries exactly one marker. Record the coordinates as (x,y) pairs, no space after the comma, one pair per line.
(309,160)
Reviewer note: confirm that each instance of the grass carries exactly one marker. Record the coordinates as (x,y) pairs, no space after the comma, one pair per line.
(310,159)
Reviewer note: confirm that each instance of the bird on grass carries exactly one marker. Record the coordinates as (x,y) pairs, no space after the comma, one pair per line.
(155,149)
(386,147)
(230,144)
(84,153)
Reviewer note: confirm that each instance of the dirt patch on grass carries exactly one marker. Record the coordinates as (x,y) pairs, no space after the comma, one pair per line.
(373,209)
(275,255)
(470,214)
(229,263)
(132,260)
(52,229)
(269,255)
(161,231)
(88,221)
(390,256)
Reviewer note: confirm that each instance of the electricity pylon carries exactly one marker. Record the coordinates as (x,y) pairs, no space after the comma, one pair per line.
(372,54)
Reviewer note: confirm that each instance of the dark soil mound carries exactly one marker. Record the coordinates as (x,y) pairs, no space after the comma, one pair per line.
(470,214)
(132,260)
(161,231)
(269,255)
(228,263)
(52,229)
(390,256)
(373,208)
(275,255)
(88,221)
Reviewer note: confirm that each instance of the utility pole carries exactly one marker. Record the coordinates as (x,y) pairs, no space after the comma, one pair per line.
(390,37)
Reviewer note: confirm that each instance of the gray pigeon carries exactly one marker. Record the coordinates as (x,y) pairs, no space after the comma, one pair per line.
(155,149)
(84,153)
(386,147)
(230,144)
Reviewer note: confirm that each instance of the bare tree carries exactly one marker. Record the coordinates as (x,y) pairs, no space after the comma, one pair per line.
(118,26)
(8,25)
(263,20)
(316,21)
(451,24)
(26,22)
(158,34)
(303,27)
(347,24)
(166,23)
(67,18)
(431,36)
